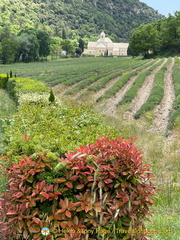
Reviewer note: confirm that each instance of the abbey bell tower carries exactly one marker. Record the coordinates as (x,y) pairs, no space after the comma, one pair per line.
(102,36)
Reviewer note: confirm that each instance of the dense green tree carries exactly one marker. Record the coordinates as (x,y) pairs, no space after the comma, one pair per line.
(44,43)
(9,48)
(5,33)
(170,34)
(144,40)
(28,47)
(55,47)
(28,31)
(68,46)
(162,37)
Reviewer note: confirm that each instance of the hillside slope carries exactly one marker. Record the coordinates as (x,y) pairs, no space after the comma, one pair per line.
(85,18)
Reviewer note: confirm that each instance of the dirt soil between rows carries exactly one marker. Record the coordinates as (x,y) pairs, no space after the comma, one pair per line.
(162,112)
(111,107)
(145,91)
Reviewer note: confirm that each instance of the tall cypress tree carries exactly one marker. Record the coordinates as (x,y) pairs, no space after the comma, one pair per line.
(81,44)
(64,34)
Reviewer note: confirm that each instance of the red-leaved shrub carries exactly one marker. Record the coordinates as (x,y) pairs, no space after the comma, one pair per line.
(101,191)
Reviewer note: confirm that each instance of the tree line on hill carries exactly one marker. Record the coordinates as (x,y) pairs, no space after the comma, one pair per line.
(158,38)
(31,44)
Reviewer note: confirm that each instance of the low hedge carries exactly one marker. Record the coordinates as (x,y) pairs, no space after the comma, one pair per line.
(3,80)
(18,86)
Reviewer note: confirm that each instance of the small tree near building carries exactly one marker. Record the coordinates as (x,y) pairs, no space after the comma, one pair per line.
(78,51)
(68,46)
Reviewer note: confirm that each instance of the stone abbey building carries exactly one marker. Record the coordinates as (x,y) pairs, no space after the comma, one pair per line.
(105,46)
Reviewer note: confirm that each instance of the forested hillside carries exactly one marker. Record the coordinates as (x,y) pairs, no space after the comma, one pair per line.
(84,18)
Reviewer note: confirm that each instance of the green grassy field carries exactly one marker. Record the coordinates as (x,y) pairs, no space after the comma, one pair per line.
(161,152)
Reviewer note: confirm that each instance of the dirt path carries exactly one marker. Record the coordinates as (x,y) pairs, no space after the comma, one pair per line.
(112,103)
(143,92)
(163,110)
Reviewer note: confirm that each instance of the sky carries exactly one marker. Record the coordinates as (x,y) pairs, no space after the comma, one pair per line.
(164,6)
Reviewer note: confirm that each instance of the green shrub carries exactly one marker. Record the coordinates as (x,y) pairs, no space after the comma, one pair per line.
(11,74)
(51,97)
(132,92)
(102,187)
(54,127)
(3,80)
(83,84)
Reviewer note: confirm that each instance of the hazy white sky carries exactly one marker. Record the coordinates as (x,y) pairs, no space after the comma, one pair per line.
(164,6)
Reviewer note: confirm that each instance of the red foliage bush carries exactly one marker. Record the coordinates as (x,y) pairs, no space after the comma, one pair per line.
(101,191)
